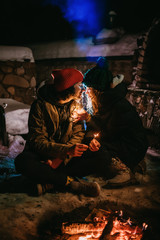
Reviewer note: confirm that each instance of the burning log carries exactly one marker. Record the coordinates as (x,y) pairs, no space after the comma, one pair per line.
(103,225)
(77,228)
(126,231)
(98,215)
(108,228)
(92,228)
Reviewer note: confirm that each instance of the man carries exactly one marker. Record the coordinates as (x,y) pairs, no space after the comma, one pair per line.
(122,141)
(53,138)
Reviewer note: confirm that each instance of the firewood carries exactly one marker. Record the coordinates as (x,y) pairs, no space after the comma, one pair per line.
(107,230)
(84,227)
(98,215)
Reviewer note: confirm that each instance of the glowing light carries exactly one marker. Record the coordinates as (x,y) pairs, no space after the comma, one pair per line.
(87,102)
(96,135)
(86,16)
(94,226)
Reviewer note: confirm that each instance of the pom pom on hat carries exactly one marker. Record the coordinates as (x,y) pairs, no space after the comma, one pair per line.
(99,77)
(66,78)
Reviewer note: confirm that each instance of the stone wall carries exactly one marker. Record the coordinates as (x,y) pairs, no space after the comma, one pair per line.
(18,81)
(117,65)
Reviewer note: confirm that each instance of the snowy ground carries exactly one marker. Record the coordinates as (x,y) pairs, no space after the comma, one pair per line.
(24,217)
(16,116)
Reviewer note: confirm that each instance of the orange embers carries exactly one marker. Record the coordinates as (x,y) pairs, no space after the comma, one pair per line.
(100,224)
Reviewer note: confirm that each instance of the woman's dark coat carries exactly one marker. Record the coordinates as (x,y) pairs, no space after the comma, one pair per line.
(51,129)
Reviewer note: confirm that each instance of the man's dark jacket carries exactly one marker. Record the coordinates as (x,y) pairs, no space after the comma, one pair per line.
(120,127)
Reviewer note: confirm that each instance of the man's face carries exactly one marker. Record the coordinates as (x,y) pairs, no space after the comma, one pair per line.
(90,92)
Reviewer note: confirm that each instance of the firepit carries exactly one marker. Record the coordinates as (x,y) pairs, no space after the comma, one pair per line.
(103,222)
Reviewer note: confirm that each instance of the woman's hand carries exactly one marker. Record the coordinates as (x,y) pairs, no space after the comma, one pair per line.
(94,145)
(77,150)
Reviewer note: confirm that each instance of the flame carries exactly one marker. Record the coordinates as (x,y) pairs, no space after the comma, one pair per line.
(90,236)
(122,229)
(125,231)
(144,226)
(96,135)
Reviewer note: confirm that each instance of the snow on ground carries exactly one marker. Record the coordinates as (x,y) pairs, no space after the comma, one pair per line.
(16,114)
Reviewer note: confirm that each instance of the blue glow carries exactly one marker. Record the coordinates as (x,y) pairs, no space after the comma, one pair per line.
(85,16)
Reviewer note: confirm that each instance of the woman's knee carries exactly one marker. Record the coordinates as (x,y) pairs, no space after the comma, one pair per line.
(22,161)
(19,162)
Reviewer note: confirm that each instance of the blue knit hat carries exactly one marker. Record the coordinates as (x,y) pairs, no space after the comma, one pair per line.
(99,77)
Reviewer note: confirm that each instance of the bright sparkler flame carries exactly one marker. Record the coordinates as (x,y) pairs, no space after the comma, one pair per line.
(96,135)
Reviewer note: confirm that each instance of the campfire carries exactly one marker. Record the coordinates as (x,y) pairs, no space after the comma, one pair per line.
(103,225)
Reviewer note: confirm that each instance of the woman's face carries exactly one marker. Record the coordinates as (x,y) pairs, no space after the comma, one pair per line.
(78,90)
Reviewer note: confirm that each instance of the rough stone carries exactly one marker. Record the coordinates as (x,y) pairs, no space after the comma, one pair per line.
(1,76)
(33,82)
(20,71)
(27,77)
(3,92)
(6,69)
(15,81)
(11,90)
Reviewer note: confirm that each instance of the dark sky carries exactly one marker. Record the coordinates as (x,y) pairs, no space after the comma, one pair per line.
(30,21)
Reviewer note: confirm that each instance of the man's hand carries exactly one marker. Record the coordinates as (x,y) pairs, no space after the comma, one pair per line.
(94,145)
(77,150)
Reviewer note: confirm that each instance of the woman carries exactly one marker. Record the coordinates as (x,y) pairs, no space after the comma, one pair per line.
(53,138)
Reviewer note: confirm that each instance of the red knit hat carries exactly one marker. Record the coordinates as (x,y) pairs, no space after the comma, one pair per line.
(66,78)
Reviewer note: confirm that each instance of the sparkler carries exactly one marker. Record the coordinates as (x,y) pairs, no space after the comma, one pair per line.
(96,135)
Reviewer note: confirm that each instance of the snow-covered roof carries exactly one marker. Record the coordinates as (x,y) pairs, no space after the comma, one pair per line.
(85,47)
(16,53)
(75,48)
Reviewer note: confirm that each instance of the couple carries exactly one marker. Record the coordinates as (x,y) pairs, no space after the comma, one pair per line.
(63,145)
